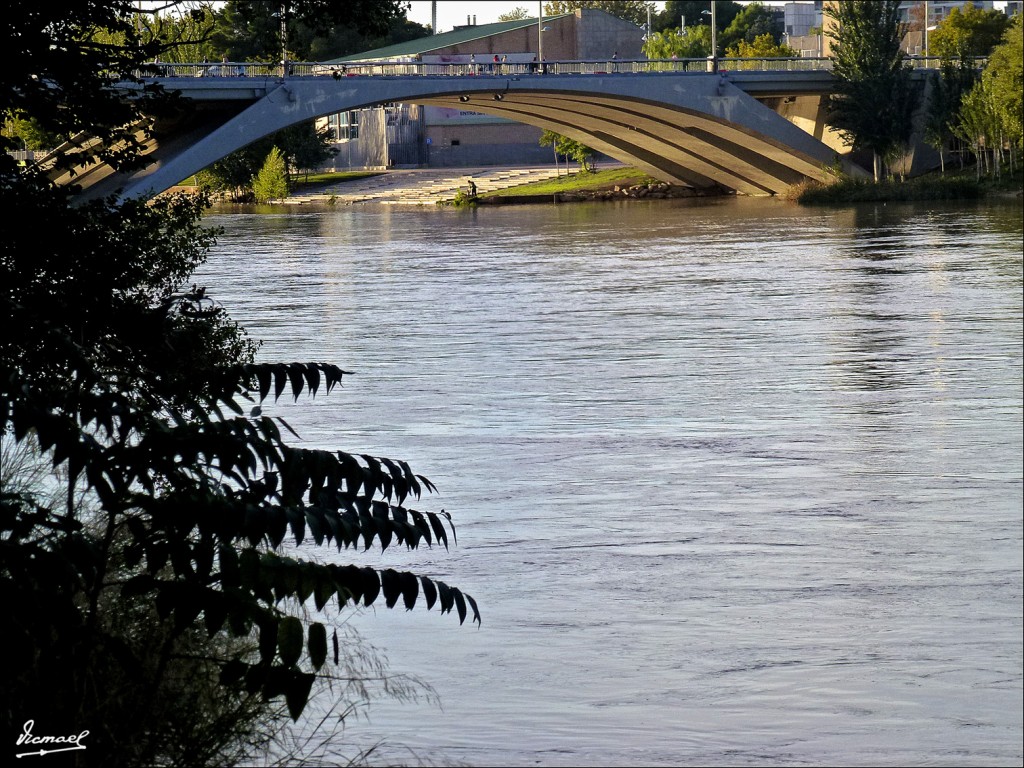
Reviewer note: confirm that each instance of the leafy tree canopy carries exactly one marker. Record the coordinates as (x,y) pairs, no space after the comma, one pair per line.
(755,20)
(271,183)
(696,13)
(694,43)
(568,148)
(1004,78)
(874,99)
(967,33)
(302,147)
(763,46)
(516,14)
(250,30)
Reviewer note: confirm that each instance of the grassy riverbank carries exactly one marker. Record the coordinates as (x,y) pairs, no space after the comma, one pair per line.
(626,181)
(953,185)
(312,181)
(578,182)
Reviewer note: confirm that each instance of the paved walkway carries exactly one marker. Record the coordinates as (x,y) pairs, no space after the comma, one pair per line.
(425,186)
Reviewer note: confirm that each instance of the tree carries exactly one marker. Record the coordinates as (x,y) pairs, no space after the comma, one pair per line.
(989,116)
(516,14)
(630,10)
(874,99)
(978,125)
(1005,76)
(752,22)
(271,183)
(967,34)
(569,149)
(695,13)
(301,146)
(29,133)
(182,37)
(250,30)
(762,47)
(694,43)
(958,40)
(946,92)
(305,148)
(151,574)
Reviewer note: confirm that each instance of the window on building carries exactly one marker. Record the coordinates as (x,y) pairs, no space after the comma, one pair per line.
(343,126)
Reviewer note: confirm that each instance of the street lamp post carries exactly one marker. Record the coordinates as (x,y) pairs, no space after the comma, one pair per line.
(925,29)
(713,58)
(714,39)
(284,39)
(540,36)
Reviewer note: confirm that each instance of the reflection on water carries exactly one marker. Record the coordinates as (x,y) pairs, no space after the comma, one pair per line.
(734,482)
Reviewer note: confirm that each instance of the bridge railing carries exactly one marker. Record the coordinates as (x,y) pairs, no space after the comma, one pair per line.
(502,69)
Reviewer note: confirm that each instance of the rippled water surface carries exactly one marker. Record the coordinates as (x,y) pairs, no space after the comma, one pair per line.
(734,483)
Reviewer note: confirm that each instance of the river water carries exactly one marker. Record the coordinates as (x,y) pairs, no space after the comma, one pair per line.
(735,482)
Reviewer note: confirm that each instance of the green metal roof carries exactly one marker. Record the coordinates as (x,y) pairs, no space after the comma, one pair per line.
(444,40)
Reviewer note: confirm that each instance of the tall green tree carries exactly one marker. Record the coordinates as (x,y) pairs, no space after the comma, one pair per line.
(947,88)
(693,43)
(874,98)
(762,46)
(568,148)
(302,147)
(967,33)
(977,124)
(959,41)
(1005,75)
(271,183)
(696,13)
(160,567)
(251,30)
(990,115)
(755,20)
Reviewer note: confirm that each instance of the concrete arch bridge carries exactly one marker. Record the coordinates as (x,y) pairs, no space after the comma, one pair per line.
(750,131)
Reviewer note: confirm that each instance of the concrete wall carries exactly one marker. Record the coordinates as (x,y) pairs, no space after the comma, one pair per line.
(588,34)
(599,35)
(453,146)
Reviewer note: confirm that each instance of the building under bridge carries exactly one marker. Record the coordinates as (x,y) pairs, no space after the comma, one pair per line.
(412,135)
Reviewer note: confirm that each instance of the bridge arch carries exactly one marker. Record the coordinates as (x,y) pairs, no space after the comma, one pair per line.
(699,129)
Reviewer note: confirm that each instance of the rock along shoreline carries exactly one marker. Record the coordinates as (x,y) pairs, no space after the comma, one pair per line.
(650,191)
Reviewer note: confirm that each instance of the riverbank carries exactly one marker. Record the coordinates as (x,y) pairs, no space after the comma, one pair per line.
(952,185)
(518,186)
(630,183)
(611,184)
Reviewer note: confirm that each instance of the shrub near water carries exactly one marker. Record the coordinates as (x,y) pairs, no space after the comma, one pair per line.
(866,191)
(271,183)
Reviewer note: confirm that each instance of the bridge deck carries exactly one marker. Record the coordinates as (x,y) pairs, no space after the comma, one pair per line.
(675,121)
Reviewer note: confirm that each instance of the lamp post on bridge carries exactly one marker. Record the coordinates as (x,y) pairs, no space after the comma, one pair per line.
(540,35)
(713,63)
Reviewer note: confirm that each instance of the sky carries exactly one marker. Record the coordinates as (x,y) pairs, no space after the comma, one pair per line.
(454,12)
